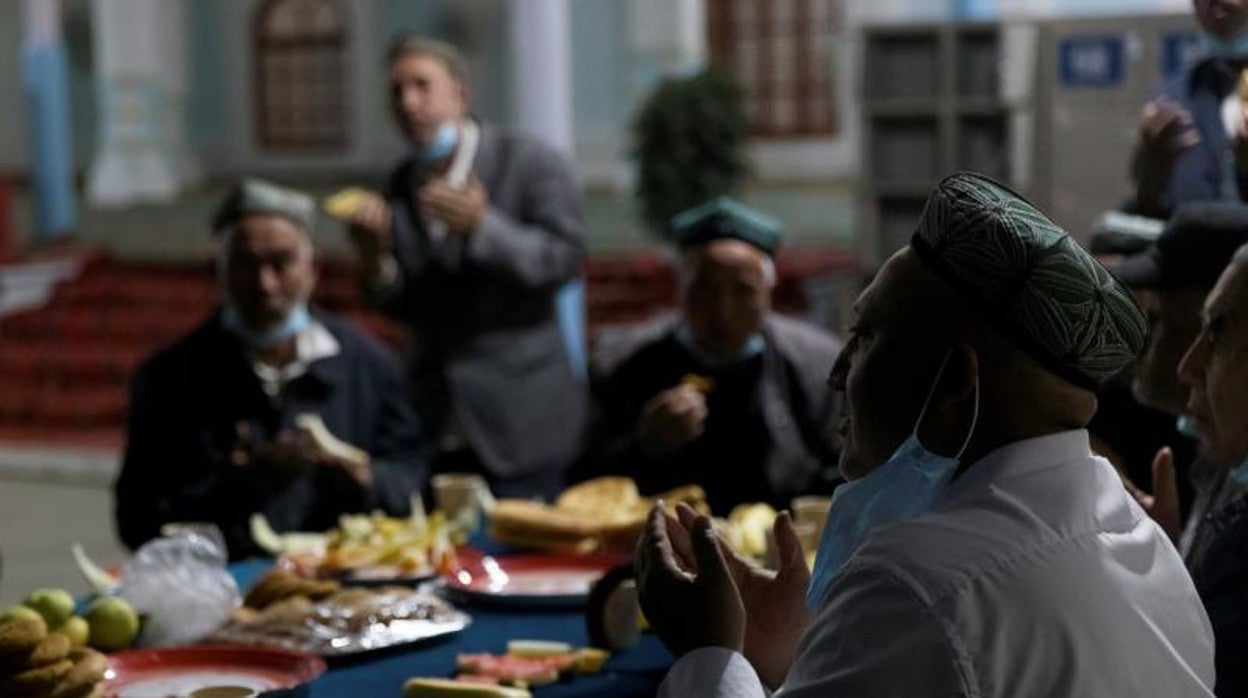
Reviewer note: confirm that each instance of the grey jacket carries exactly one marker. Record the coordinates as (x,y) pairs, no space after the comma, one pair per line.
(485,350)
(792,399)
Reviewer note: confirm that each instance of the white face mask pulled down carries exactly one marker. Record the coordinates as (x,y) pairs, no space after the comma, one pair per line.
(906,486)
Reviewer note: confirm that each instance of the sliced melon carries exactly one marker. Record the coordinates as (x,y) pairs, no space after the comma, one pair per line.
(449,688)
(536,648)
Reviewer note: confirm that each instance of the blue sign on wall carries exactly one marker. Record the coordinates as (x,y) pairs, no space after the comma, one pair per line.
(1091,61)
(1179,50)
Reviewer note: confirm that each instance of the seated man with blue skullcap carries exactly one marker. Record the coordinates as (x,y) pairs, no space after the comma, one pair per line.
(729,395)
(268,406)
(979,548)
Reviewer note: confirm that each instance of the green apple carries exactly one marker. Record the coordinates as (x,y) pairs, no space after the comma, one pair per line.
(15,612)
(77,630)
(55,605)
(113,623)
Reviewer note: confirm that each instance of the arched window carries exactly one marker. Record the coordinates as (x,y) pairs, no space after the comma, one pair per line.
(781,53)
(301,75)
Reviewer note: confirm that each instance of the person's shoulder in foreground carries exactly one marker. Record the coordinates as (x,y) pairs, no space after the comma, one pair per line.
(1040,544)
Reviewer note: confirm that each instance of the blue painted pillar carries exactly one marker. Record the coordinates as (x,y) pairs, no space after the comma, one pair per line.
(46,78)
(973,10)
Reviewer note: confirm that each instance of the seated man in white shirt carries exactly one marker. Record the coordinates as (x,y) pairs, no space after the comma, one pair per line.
(980,548)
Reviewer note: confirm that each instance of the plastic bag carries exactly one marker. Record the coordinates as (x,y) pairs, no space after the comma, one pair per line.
(180,585)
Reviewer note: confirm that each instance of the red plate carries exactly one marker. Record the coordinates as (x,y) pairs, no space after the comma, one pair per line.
(539,580)
(177,671)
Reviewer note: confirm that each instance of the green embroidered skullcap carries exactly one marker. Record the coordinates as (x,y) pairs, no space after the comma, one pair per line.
(726,217)
(251,196)
(1029,279)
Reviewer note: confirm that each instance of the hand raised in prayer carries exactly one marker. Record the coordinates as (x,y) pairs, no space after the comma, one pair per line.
(1166,129)
(671,420)
(460,209)
(686,590)
(775,602)
(1163,504)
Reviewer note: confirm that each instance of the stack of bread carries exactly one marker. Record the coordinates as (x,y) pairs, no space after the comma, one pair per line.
(35,662)
(605,514)
(280,584)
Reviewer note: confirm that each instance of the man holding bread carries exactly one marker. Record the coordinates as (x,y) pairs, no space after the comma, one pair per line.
(269,406)
(474,234)
(729,395)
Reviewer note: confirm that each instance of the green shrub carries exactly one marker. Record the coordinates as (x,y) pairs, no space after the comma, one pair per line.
(689,139)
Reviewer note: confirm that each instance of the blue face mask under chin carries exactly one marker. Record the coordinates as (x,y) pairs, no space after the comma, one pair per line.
(1226,48)
(906,486)
(1240,473)
(1186,426)
(442,145)
(754,346)
(296,320)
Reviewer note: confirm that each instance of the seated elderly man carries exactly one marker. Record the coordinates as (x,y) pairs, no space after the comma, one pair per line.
(1216,369)
(1171,280)
(728,396)
(223,423)
(980,548)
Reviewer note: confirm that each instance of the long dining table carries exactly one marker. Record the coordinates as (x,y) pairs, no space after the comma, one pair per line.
(629,673)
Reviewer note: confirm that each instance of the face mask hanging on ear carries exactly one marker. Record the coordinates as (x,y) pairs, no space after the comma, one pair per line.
(906,486)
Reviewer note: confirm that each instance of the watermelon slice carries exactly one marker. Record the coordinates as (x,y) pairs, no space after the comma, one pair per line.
(512,671)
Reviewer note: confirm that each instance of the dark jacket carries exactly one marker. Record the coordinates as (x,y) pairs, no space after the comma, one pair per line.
(1221,577)
(185,404)
(1201,172)
(485,348)
(782,445)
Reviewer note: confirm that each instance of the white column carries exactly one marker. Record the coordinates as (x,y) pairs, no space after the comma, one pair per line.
(142,142)
(176,50)
(542,70)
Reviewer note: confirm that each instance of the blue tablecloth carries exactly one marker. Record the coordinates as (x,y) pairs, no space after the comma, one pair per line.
(632,672)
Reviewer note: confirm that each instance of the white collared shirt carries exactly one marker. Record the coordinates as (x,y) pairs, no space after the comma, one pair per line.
(312,344)
(1036,575)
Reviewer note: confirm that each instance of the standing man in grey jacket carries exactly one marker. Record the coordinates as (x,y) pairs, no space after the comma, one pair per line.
(473,236)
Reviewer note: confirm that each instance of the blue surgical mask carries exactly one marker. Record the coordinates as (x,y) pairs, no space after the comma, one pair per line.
(442,145)
(1186,425)
(1224,48)
(754,346)
(908,484)
(296,320)
(1240,473)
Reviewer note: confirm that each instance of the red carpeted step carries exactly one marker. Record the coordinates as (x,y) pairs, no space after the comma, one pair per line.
(65,368)
(64,362)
